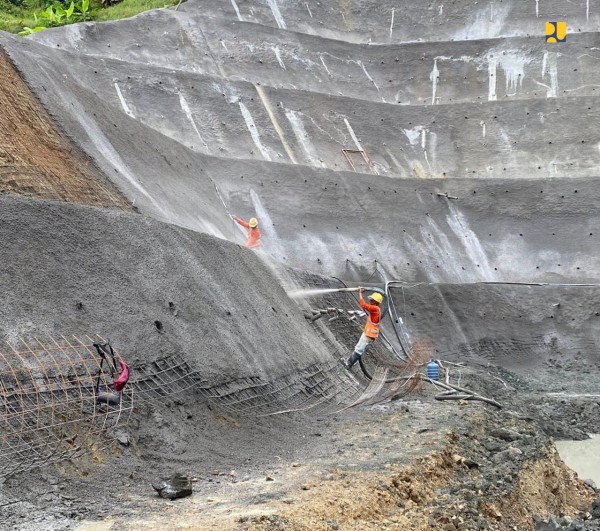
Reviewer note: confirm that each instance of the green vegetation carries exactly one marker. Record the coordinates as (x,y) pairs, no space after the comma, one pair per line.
(29,16)
(128,8)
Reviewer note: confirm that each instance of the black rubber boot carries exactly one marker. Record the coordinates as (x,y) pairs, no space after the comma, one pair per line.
(352,360)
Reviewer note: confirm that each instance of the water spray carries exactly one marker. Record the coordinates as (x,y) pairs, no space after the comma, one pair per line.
(314,292)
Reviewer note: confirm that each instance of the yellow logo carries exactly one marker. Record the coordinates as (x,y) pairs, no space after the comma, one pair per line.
(556,31)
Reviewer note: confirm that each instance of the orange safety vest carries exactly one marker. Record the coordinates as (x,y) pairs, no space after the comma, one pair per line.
(371,329)
(253,240)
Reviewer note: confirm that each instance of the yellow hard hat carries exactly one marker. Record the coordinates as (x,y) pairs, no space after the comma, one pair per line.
(253,223)
(378,297)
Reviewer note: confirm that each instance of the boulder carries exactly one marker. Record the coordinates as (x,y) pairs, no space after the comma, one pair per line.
(177,486)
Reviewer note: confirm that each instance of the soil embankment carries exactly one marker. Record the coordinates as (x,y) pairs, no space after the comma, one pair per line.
(36,158)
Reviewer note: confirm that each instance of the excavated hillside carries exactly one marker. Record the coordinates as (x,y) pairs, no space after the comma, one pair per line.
(307,131)
(37,159)
(442,151)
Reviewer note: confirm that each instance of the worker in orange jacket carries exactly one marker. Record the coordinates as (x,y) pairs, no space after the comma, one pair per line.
(371,330)
(253,239)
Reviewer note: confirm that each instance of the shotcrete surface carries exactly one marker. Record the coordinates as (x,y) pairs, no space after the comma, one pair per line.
(444,144)
(79,270)
(522,328)
(264,113)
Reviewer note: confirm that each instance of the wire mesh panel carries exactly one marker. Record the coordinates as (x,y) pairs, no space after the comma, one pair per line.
(163,377)
(316,387)
(48,406)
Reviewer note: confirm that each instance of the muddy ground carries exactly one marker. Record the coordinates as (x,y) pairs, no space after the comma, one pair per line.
(412,463)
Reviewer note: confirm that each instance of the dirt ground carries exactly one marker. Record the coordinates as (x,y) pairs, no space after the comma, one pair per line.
(413,463)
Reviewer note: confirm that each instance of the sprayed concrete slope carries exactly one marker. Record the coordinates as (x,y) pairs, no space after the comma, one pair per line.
(260,99)
(430,135)
(481,162)
(382,22)
(247,106)
(518,327)
(152,289)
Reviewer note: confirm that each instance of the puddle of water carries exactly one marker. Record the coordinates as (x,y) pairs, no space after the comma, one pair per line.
(582,456)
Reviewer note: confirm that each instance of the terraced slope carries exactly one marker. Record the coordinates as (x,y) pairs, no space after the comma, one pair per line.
(444,144)
(340,125)
(437,143)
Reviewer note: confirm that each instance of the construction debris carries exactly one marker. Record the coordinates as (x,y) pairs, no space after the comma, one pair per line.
(454,392)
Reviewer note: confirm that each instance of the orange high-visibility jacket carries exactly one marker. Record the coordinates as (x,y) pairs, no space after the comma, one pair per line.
(253,240)
(372,327)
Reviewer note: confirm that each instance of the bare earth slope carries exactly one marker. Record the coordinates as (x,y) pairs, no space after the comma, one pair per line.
(36,158)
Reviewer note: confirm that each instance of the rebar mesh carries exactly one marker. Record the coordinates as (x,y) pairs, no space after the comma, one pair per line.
(163,377)
(319,387)
(49,411)
(48,407)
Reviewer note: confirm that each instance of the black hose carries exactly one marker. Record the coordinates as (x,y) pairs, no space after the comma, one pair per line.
(364,369)
(368,376)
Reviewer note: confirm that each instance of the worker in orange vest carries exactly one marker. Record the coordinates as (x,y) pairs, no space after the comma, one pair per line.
(371,329)
(253,239)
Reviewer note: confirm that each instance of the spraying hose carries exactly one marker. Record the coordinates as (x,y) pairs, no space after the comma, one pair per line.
(341,290)
(225,205)
(346,289)
(389,308)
